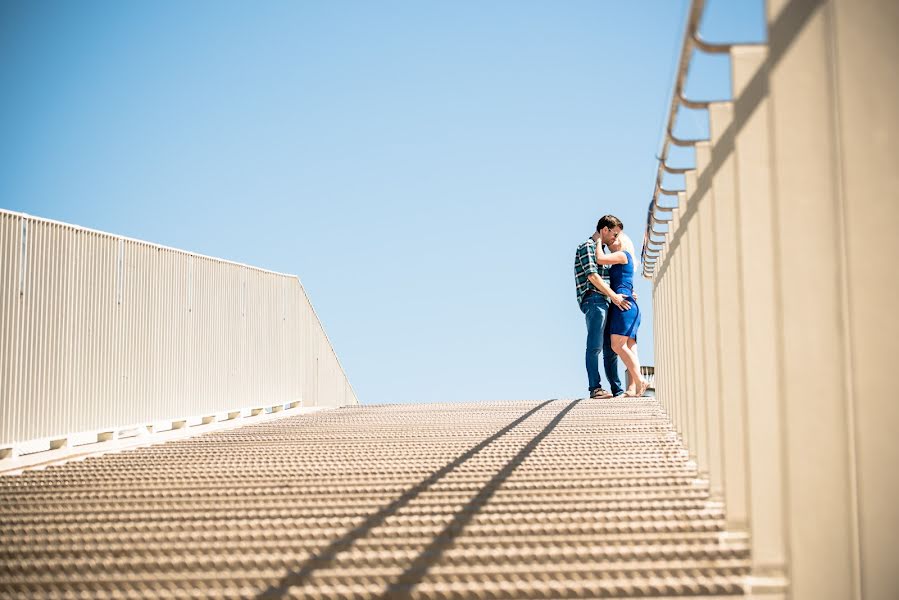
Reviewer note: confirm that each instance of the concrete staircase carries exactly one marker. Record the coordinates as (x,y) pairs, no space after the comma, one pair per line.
(553,499)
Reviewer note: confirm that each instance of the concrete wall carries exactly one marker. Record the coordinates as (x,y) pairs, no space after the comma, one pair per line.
(777,272)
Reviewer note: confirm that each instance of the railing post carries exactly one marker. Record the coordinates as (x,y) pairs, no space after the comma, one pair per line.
(764,399)
(658,322)
(664,385)
(665,389)
(671,359)
(814,289)
(696,198)
(671,379)
(674,306)
(864,51)
(681,322)
(728,283)
(689,251)
(656,337)
(710,443)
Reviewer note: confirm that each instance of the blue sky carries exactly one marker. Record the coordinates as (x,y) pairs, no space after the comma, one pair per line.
(426,168)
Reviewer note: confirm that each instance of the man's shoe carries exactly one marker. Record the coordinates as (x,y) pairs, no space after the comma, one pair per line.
(599,393)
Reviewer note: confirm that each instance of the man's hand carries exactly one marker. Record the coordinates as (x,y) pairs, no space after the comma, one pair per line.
(634,295)
(620,301)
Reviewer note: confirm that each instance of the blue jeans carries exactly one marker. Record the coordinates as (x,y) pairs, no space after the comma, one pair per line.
(595,308)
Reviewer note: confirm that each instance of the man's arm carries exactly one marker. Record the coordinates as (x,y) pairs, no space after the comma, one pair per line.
(588,264)
(617,299)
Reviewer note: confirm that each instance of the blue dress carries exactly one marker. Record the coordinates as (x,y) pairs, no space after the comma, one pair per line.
(621,280)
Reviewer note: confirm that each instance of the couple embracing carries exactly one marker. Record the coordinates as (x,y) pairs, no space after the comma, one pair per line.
(605,293)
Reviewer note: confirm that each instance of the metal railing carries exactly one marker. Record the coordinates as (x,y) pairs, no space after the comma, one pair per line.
(773,317)
(101,332)
(692,41)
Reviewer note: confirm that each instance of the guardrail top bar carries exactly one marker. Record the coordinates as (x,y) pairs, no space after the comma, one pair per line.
(142,242)
(691,41)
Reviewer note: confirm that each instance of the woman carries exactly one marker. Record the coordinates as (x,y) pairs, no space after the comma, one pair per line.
(623,324)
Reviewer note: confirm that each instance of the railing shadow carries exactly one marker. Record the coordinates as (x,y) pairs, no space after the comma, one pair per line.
(326,556)
(428,557)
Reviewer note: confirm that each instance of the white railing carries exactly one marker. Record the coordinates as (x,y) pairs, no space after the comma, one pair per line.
(100,332)
(774,292)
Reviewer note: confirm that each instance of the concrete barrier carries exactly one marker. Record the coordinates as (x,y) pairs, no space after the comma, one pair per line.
(773,283)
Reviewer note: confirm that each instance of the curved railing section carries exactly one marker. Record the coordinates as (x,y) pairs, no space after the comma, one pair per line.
(100,332)
(659,215)
(773,293)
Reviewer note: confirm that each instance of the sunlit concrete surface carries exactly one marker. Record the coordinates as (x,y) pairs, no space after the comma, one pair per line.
(135,437)
(540,499)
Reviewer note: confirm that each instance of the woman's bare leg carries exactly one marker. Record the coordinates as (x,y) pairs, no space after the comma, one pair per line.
(642,384)
(630,360)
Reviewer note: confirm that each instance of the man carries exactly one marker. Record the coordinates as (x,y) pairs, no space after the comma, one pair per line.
(593,296)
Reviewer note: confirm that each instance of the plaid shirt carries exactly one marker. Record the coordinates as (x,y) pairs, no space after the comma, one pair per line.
(584,264)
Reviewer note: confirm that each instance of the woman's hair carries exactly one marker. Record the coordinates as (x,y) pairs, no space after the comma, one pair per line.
(628,244)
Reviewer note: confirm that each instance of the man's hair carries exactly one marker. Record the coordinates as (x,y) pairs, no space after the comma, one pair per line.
(609,221)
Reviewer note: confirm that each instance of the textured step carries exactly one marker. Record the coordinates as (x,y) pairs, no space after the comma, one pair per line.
(557,499)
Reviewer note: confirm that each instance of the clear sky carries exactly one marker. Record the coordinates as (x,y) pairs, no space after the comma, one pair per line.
(426,168)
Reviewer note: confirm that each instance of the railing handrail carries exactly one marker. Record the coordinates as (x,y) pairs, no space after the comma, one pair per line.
(116,236)
(691,41)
